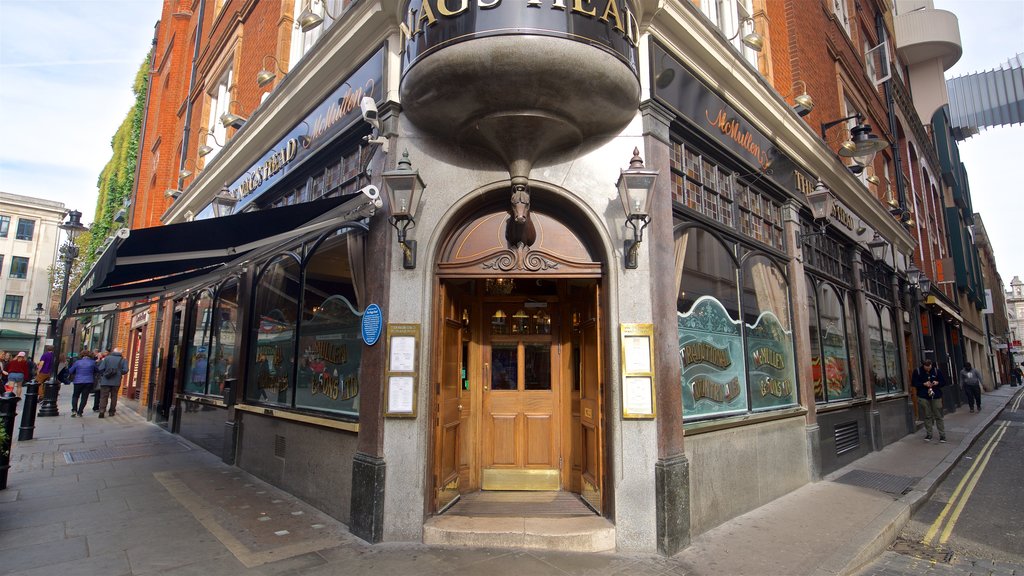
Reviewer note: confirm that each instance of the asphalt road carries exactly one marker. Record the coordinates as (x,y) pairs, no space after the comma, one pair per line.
(974,522)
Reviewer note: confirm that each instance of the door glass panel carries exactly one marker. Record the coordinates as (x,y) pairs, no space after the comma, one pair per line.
(504,368)
(538,366)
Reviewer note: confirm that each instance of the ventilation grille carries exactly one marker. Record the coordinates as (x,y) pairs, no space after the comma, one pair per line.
(847,437)
(279,446)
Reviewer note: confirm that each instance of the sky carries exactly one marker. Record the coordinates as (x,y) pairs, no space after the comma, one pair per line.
(67,67)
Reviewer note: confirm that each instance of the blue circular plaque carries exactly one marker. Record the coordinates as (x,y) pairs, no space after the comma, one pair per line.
(371,325)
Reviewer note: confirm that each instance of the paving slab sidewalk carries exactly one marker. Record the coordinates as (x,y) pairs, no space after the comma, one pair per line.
(121,496)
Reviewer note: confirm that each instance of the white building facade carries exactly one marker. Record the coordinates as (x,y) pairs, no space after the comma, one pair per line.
(29,236)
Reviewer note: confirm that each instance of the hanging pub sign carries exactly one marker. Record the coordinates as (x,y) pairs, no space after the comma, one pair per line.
(431,25)
(334,115)
(675,86)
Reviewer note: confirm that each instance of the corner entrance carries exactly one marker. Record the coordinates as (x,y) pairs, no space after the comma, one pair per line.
(518,392)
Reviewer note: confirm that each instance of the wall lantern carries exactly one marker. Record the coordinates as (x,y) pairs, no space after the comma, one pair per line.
(206,148)
(878,247)
(266,75)
(803,103)
(308,19)
(403,187)
(636,187)
(229,120)
(753,40)
(862,146)
(185,172)
(918,280)
(821,209)
(224,202)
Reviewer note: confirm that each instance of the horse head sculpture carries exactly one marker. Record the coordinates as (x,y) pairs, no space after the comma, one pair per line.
(520,229)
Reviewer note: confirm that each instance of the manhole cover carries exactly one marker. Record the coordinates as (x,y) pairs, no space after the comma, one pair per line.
(120,452)
(922,551)
(889,483)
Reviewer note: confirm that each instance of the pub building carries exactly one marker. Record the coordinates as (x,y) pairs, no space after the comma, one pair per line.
(609,286)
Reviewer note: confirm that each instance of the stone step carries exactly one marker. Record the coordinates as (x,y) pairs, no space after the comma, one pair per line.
(576,534)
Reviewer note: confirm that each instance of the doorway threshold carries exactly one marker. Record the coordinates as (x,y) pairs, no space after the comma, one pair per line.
(539,520)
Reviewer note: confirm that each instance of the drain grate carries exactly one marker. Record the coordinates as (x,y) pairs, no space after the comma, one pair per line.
(889,483)
(121,452)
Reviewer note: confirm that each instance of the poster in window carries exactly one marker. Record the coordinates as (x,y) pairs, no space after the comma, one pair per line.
(837,375)
(712,360)
(770,355)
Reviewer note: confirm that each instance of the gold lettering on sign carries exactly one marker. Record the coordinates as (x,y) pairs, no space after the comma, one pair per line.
(768,357)
(325,384)
(780,388)
(705,388)
(702,352)
(332,352)
(842,216)
(803,183)
(734,131)
(443,10)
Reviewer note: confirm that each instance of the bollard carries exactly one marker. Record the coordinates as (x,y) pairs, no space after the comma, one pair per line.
(8,410)
(48,407)
(28,411)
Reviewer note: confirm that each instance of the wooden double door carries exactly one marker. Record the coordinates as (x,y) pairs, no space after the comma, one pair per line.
(518,400)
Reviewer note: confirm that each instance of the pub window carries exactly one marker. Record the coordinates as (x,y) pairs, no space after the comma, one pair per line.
(329,335)
(5,226)
(705,187)
(877,346)
(224,347)
(769,335)
(309,359)
(832,369)
(275,315)
(198,363)
(26,229)
(826,254)
(735,331)
(892,362)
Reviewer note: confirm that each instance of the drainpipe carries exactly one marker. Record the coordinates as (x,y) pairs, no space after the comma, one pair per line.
(901,184)
(191,84)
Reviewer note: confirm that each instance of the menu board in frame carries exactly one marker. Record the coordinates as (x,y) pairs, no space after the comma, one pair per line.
(638,401)
(402,373)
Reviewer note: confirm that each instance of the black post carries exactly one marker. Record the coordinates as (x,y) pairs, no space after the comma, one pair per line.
(36,339)
(28,413)
(8,410)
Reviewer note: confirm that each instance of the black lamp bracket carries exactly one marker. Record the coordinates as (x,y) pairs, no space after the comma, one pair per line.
(631,247)
(827,125)
(401,224)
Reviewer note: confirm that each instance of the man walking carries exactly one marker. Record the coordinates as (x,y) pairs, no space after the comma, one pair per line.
(110,370)
(928,381)
(971,379)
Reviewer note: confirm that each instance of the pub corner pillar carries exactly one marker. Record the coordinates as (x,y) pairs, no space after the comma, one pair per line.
(801,317)
(366,516)
(672,469)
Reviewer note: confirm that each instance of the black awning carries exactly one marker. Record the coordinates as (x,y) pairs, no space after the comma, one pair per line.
(154,260)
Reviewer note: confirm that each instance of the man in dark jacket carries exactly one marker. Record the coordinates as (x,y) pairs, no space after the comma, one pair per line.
(928,381)
(109,372)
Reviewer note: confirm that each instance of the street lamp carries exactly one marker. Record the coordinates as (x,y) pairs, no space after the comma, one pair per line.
(68,253)
(39,318)
(919,285)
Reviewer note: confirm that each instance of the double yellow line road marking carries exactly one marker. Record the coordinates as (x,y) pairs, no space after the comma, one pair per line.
(951,513)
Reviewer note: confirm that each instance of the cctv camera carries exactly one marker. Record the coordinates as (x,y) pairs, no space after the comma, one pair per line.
(369,109)
(371,192)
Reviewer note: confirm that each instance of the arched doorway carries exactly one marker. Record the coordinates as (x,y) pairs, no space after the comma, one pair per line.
(518,385)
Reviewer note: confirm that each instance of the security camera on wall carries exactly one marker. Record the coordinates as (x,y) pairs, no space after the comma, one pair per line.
(369,109)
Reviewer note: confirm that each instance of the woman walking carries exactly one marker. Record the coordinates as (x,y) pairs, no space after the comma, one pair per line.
(83,375)
(18,372)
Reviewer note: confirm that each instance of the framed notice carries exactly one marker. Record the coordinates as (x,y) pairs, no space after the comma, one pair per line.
(638,400)
(402,370)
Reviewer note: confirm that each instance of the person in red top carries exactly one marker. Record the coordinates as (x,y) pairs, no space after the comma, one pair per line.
(18,371)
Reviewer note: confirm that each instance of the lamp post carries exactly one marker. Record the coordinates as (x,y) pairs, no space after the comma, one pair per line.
(68,253)
(28,413)
(39,318)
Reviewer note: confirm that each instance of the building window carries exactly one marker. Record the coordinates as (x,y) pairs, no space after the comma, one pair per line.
(196,373)
(326,331)
(338,178)
(885,374)
(224,348)
(19,267)
(833,343)
(5,226)
(735,352)
(728,16)
(827,255)
(26,229)
(706,188)
(302,42)
(1,262)
(220,104)
(12,307)
(839,9)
